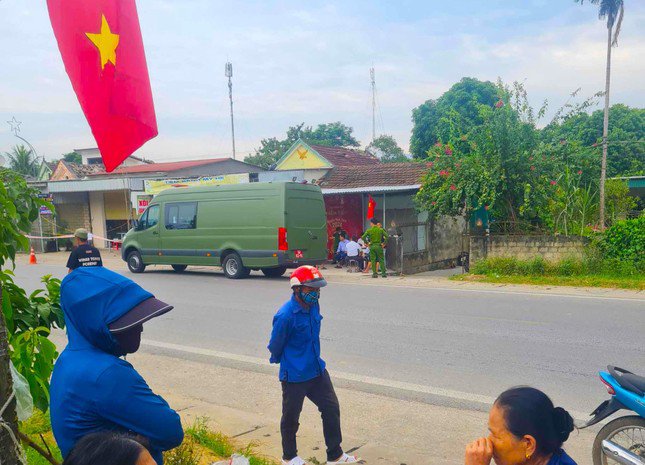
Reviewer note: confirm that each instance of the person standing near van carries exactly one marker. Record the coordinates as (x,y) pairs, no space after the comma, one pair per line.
(84,254)
(295,345)
(376,237)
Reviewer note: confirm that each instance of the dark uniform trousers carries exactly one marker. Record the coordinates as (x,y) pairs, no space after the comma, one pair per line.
(321,392)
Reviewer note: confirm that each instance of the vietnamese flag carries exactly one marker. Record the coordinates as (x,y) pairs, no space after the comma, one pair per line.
(102,49)
(371,206)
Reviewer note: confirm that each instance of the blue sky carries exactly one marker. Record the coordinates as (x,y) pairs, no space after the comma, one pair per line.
(309,62)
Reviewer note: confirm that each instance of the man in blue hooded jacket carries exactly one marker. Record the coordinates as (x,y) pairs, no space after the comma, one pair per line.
(92,389)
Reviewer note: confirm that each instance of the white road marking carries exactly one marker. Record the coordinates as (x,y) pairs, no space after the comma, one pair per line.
(369,380)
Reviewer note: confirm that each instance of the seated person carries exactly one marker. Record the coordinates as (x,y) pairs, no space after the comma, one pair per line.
(525,428)
(354,252)
(341,252)
(108,448)
(92,389)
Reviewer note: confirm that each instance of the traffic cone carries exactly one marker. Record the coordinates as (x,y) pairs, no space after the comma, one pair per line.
(32,257)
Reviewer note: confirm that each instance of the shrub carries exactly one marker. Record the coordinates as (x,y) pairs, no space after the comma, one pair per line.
(625,241)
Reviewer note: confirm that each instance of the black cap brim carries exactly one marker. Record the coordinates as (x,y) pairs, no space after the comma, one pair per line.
(145,311)
(317,283)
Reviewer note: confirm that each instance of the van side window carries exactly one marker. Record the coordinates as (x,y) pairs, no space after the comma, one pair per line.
(150,218)
(181,215)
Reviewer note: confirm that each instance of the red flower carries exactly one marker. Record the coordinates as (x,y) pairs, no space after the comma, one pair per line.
(453,187)
(430,164)
(553,183)
(434,203)
(457,165)
(594,145)
(499,104)
(438,144)
(444,173)
(531,158)
(579,171)
(532,168)
(448,151)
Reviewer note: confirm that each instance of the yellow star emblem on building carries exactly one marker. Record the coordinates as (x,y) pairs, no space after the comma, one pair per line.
(302,153)
(106,42)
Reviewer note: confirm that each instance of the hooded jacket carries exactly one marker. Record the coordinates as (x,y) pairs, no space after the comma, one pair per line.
(92,389)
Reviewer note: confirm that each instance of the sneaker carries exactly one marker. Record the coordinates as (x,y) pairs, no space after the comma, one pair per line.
(385,276)
(345,459)
(295,461)
(374,276)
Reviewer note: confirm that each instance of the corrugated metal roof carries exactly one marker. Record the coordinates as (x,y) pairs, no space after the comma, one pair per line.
(372,189)
(96,185)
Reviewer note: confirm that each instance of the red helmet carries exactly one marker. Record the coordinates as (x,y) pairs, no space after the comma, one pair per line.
(307,276)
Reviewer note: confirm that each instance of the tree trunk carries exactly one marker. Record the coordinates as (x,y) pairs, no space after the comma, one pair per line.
(8,453)
(605,130)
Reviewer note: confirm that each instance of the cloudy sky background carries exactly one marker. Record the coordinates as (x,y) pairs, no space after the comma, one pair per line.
(309,62)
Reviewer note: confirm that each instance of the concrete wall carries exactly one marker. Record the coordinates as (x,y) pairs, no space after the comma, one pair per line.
(97,210)
(550,248)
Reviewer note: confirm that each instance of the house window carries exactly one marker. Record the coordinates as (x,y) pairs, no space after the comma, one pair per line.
(181,215)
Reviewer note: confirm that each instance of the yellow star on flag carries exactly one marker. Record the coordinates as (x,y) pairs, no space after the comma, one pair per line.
(106,42)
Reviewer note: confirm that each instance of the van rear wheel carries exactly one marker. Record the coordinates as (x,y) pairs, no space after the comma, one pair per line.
(233,267)
(274,272)
(179,268)
(135,262)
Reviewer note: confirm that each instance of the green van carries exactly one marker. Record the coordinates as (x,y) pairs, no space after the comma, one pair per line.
(240,227)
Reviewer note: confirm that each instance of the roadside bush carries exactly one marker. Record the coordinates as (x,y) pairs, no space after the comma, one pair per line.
(624,241)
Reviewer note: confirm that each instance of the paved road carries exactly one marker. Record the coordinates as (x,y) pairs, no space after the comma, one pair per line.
(438,340)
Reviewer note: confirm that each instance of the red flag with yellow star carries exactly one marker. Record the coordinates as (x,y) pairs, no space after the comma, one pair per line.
(102,49)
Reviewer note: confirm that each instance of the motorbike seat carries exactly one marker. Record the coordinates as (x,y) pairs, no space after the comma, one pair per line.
(632,381)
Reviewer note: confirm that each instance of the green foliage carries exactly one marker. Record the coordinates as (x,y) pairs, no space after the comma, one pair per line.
(625,241)
(386,148)
(453,114)
(328,134)
(618,202)
(28,318)
(22,161)
(223,446)
(73,157)
(186,454)
(38,428)
(18,209)
(626,155)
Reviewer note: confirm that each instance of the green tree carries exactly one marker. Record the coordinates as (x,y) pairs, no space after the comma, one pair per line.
(73,157)
(501,165)
(25,321)
(386,148)
(22,161)
(329,134)
(613,11)
(451,115)
(626,152)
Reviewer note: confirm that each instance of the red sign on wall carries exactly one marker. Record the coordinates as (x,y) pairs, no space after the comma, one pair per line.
(346,211)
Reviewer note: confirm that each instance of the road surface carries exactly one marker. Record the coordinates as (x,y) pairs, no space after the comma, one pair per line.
(457,348)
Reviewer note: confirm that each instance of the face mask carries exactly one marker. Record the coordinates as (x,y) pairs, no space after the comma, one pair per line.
(310,298)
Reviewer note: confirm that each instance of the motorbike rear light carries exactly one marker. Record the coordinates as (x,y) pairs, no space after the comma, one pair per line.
(610,388)
(282,239)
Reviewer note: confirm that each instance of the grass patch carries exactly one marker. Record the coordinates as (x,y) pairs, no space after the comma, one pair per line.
(201,445)
(222,445)
(590,271)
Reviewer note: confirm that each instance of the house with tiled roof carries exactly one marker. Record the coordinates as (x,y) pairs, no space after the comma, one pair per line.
(349,178)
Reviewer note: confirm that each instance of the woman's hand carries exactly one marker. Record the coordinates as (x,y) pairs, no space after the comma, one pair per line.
(479,452)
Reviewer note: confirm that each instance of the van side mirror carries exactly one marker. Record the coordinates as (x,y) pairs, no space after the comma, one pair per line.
(135,224)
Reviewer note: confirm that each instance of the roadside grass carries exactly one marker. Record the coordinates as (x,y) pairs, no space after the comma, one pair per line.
(585,272)
(201,445)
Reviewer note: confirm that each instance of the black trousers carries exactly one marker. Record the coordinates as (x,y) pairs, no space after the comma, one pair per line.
(321,392)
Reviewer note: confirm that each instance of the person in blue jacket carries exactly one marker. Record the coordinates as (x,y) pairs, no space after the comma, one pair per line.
(94,390)
(295,345)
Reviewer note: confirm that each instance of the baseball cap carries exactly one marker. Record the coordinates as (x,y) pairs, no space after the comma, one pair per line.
(139,314)
(81,233)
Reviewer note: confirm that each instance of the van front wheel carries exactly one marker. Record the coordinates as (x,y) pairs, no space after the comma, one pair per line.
(274,272)
(135,262)
(233,267)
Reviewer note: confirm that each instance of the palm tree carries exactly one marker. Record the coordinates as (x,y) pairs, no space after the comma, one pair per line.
(22,161)
(613,11)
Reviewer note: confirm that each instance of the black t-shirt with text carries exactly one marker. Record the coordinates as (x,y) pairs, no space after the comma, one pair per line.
(84,255)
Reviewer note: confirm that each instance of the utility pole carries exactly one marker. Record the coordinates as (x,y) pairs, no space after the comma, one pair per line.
(228,71)
(373,81)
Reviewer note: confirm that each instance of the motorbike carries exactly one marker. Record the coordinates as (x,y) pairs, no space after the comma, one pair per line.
(622,440)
